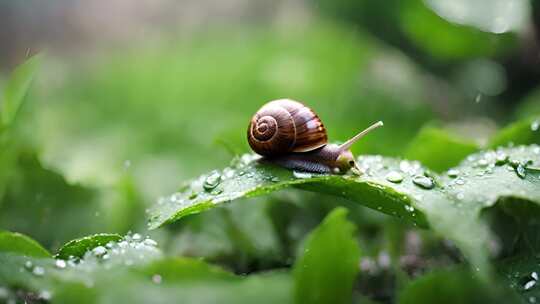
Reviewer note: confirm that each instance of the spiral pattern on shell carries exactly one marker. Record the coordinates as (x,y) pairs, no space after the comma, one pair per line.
(283,126)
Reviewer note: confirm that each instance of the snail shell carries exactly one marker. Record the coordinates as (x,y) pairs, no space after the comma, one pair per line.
(283,126)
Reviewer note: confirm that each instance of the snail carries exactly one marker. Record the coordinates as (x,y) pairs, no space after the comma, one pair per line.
(287,133)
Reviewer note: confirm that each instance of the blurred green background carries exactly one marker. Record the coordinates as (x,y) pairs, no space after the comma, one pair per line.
(133,99)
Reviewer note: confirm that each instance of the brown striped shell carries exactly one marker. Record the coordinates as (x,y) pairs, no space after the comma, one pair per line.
(283,126)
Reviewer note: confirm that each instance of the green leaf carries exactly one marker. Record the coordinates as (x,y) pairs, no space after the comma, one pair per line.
(452,286)
(444,40)
(320,277)
(78,247)
(112,274)
(521,274)
(40,203)
(16,89)
(522,132)
(439,150)
(449,204)
(250,178)
(530,105)
(18,243)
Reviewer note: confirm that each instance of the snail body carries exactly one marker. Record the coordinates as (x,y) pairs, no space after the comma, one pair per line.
(287,133)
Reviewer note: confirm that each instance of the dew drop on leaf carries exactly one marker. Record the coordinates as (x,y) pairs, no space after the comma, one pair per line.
(28,264)
(530,284)
(535,125)
(156,279)
(60,264)
(423,182)
(520,171)
(212,181)
(460,181)
(150,242)
(45,295)
(482,162)
(453,173)
(99,251)
(299,174)
(38,271)
(394,177)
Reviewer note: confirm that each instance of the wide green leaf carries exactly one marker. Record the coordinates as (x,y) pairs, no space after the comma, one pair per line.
(449,203)
(448,41)
(453,286)
(326,270)
(16,89)
(21,244)
(439,150)
(78,247)
(522,132)
(134,270)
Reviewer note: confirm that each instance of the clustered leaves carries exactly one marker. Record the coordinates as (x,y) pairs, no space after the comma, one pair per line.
(455,190)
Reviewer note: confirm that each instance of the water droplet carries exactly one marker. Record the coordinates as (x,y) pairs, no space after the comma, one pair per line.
(127,164)
(212,181)
(501,159)
(216,191)
(478,98)
(529,284)
(60,264)
(299,174)
(534,275)
(482,162)
(405,166)
(193,196)
(460,196)
(460,181)
(38,271)
(532,299)
(275,179)
(409,208)
(99,251)
(156,279)
(394,177)
(453,173)
(45,295)
(228,173)
(136,236)
(535,125)
(423,182)
(28,264)
(520,171)
(150,242)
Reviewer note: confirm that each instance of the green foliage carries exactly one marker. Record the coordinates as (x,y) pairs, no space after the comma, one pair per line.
(525,131)
(444,40)
(21,244)
(101,141)
(319,276)
(77,248)
(132,264)
(452,286)
(417,195)
(439,150)
(521,274)
(16,89)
